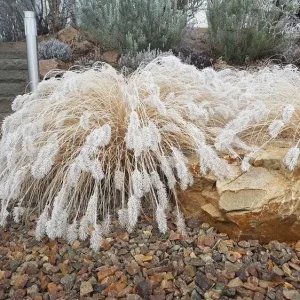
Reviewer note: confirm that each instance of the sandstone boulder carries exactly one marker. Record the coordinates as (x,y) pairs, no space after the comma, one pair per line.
(263,203)
(111,56)
(81,48)
(68,35)
(47,65)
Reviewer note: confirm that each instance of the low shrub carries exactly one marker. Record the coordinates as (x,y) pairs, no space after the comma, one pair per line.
(242,30)
(132,61)
(150,22)
(54,49)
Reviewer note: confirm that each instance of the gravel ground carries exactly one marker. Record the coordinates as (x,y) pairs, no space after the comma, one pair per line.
(147,265)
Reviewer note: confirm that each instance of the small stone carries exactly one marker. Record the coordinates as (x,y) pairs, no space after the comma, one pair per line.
(286,269)
(277,271)
(123,251)
(140,258)
(33,289)
(52,287)
(271,295)
(21,281)
(189,271)
(132,268)
(258,296)
(231,267)
(32,268)
(85,288)
(123,236)
(203,282)
(241,273)
(297,246)
(68,281)
(231,256)
(252,270)
(264,284)
(106,272)
(106,245)
(76,244)
(125,291)
(174,236)
(49,269)
(197,262)
(114,287)
(244,244)
(236,282)
(144,289)
(289,294)
(294,266)
(193,222)
(216,256)
(147,234)
(99,288)
(77,266)
(133,297)
(92,280)
(19,294)
(14,264)
(229,292)
(196,296)
(209,240)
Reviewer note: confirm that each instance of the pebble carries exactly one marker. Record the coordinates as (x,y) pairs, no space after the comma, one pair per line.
(203,282)
(32,289)
(52,287)
(68,281)
(148,265)
(234,283)
(85,288)
(21,281)
(229,292)
(244,244)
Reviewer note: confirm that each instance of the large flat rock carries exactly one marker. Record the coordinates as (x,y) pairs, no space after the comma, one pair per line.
(263,203)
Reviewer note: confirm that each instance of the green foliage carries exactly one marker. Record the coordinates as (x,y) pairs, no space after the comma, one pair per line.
(133,60)
(133,25)
(191,6)
(241,30)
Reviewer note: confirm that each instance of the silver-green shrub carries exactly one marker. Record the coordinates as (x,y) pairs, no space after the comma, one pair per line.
(242,30)
(54,49)
(133,25)
(133,60)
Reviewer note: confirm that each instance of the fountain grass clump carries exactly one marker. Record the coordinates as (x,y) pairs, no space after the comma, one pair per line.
(95,143)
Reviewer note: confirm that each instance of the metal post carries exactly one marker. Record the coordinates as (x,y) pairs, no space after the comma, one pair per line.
(32,55)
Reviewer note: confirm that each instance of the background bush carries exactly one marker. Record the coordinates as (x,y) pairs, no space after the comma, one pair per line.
(132,60)
(133,25)
(52,16)
(248,29)
(54,49)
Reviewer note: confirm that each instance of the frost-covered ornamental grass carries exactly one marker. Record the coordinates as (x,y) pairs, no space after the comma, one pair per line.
(95,142)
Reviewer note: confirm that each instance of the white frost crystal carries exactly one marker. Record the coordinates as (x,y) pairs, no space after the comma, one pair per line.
(291,158)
